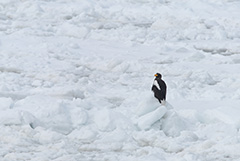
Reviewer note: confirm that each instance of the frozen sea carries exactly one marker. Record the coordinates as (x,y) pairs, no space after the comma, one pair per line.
(76,77)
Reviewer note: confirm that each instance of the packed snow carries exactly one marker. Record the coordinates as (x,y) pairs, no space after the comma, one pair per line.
(76,77)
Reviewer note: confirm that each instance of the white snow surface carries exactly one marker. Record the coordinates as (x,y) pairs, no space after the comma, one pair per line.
(76,77)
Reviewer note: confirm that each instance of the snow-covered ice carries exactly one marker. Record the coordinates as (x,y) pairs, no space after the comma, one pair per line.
(76,76)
